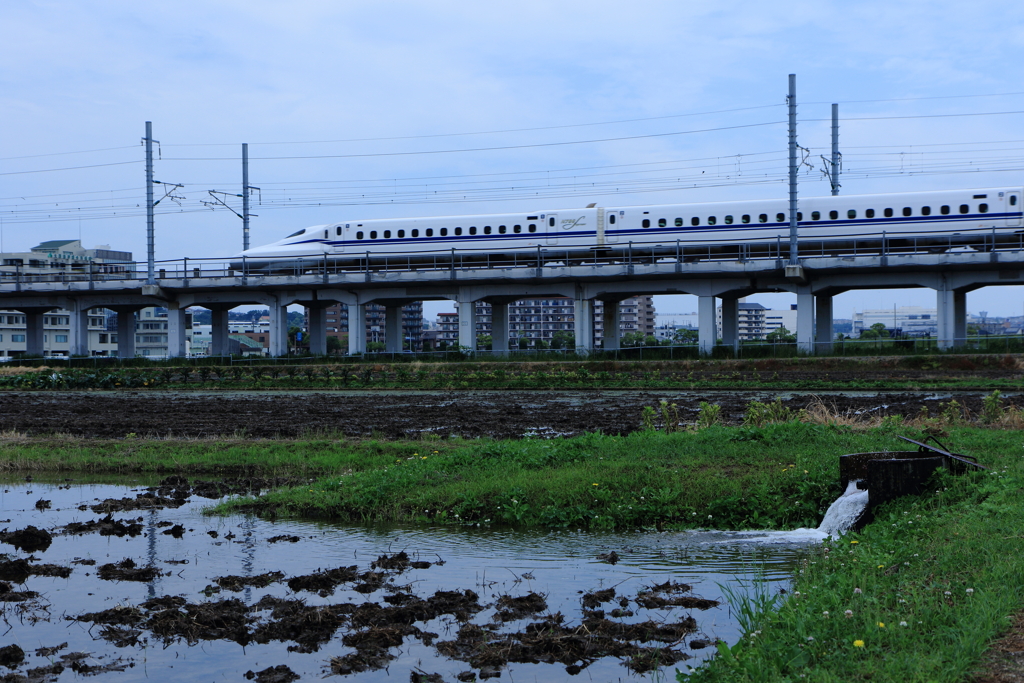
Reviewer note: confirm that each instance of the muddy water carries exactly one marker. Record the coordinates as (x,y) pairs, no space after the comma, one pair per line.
(496,565)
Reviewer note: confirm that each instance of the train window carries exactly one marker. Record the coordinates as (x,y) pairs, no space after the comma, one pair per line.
(458,231)
(926,210)
(799,215)
(472,230)
(501,229)
(373,234)
(359,235)
(662,222)
(964,208)
(1013,200)
(815,215)
(646,223)
(430,232)
(338,230)
(533,227)
(401,233)
(551,222)
(387,234)
(746,218)
(763,218)
(851,213)
(907,211)
(728,220)
(517,228)
(694,221)
(780,217)
(888,213)
(415,232)
(325,234)
(833,215)
(487,230)
(296,234)
(712,220)
(944,209)
(870,213)
(611,219)
(444,232)
(679,222)
(983,208)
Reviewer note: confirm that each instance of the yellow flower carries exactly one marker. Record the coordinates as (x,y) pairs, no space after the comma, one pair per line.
(858,643)
(881,566)
(593,484)
(423,458)
(854,542)
(881,624)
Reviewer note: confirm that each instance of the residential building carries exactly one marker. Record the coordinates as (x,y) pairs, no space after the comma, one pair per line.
(412,323)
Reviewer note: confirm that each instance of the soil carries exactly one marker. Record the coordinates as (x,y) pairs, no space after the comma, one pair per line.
(1004,662)
(30,539)
(508,414)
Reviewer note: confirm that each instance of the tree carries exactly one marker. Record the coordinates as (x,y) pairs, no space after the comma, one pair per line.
(524,343)
(780,334)
(375,347)
(540,344)
(334,344)
(484,342)
(685,335)
(650,340)
(631,339)
(563,339)
(293,337)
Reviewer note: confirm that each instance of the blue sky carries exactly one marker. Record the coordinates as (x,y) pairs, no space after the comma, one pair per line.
(361,85)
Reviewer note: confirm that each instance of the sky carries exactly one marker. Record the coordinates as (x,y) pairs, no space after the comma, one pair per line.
(389,109)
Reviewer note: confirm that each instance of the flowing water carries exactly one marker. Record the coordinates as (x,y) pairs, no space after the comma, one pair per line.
(561,566)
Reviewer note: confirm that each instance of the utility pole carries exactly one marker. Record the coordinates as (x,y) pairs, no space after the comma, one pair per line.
(835,149)
(150,246)
(794,258)
(246,190)
(245,196)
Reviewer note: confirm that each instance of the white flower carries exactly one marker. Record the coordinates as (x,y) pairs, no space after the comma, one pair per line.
(857,591)
(825,613)
(970,591)
(848,613)
(903,623)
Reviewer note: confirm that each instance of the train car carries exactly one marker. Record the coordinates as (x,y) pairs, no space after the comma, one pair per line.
(919,221)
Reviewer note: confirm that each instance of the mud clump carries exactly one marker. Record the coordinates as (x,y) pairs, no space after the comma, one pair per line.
(106,526)
(143,501)
(11,656)
(30,539)
(177,531)
(19,570)
(42,504)
(596,598)
(127,570)
(310,627)
(236,583)
(512,609)
(222,620)
(609,558)
(665,595)
(283,539)
(323,583)
(273,674)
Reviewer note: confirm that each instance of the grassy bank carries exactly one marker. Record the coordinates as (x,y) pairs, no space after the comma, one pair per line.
(976,372)
(916,596)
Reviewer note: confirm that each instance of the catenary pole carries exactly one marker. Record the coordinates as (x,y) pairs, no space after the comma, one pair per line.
(150,245)
(835,149)
(794,258)
(245,196)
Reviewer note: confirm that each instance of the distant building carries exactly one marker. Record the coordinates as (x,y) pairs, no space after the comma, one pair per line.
(913,321)
(373,328)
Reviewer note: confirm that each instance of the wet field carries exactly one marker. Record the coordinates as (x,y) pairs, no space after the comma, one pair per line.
(136,583)
(408,414)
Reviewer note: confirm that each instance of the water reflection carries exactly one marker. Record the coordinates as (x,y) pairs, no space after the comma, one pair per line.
(492,562)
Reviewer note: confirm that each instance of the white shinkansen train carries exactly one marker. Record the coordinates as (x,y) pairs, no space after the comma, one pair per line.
(927,221)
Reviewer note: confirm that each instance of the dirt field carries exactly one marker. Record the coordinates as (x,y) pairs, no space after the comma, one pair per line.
(398,414)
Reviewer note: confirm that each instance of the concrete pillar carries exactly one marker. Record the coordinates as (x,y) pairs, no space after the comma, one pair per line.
(805,320)
(731,324)
(707,327)
(34,318)
(952,317)
(177,346)
(467,325)
(219,331)
(78,332)
(125,332)
(317,330)
(499,329)
(584,325)
(611,323)
(356,329)
(278,330)
(393,329)
(823,323)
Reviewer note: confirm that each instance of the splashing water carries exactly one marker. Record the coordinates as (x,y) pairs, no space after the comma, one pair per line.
(845,510)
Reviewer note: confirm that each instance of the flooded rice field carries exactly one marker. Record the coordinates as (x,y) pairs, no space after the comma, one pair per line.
(403,414)
(137,583)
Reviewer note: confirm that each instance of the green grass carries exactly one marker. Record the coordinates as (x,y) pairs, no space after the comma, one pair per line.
(928,585)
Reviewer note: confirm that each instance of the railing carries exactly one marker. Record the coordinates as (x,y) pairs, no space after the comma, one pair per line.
(453,261)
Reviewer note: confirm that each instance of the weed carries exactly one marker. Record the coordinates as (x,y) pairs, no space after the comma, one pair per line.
(760,414)
(710,415)
(647,416)
(992,408)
